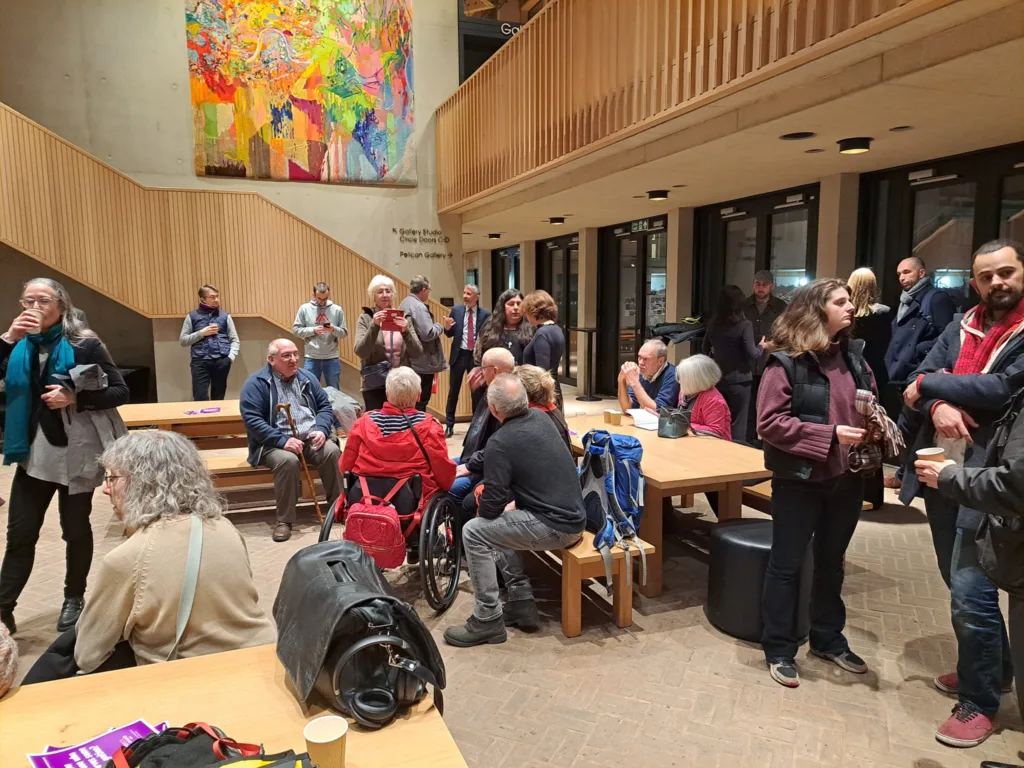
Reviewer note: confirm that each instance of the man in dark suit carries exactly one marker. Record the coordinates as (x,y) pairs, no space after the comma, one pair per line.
(463,325)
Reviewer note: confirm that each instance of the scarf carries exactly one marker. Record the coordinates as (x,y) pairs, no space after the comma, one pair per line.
(909,297)
(19,385)
(978,347)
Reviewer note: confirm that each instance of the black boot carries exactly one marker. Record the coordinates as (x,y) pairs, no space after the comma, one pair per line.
(7,618)
(522,614)
(476,632)
(449,431)
(69,613)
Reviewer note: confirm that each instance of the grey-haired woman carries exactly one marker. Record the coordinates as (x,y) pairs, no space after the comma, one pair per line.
(62,394)
(157,482)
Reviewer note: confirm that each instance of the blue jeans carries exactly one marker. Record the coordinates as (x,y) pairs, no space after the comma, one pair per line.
(984,649)
(461,487)
(330,370)
(942,512)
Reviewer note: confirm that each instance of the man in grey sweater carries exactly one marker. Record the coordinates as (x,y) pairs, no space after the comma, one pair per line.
(321,324)
(431,361)
(530,499)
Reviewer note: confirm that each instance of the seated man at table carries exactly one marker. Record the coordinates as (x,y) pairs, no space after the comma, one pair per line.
(530,500)
(495,361)
(159,487)
(649,383)
(271,441)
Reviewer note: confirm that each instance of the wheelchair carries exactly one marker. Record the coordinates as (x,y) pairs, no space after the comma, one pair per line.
(432,532)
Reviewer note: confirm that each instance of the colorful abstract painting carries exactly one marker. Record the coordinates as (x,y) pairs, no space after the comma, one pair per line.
(303,90)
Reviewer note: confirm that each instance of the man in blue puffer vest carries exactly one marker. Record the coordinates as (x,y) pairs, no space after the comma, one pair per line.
(211,334)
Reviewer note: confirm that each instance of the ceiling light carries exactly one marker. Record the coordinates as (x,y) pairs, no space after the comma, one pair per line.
(678,186)
(901,128)
(657,194)
(855,146)
(557,220)
(813,151)
(798,136)
(494,236)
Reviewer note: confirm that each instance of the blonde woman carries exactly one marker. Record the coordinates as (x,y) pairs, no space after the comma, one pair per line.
(382,344)
(540,390)
(872,321)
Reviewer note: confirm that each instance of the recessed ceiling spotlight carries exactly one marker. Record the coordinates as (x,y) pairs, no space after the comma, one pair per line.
(557,220)
(855,146)
(814,151)
(901,128)
(678,186)
(494,236)
(657,194)
(798,136)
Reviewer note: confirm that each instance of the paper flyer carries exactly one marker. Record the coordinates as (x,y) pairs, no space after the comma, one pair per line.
(95,752)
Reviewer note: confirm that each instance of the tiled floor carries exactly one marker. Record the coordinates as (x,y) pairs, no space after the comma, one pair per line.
(671,690)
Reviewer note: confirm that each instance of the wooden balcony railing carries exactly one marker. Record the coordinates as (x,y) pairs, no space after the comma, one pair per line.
(585,73)
(150,249)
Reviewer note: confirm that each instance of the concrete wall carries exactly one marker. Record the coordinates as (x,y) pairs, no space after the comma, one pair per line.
(112,77)
(128,335)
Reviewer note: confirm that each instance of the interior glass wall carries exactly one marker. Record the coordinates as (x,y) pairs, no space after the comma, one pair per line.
(558,272)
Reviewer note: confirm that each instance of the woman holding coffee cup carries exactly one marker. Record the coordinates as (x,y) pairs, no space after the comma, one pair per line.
(808,421)
(38,353)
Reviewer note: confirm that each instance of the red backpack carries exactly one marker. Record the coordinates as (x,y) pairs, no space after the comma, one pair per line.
(374,524)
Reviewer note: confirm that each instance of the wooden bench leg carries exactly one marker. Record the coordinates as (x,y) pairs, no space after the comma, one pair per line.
(651,530)
(687,501)
(622,596)
(572,597)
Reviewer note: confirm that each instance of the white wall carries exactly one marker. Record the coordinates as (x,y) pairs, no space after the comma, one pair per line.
(112,77)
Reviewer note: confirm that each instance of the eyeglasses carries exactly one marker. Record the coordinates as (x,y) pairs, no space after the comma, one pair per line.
(107,477)
(44,302)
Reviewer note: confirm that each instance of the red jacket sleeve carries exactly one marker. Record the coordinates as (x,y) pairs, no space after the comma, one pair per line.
(441,466)
(712,415)
(353,443)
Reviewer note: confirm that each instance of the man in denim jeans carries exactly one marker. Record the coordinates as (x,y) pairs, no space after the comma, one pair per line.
(530,499)
(960,390)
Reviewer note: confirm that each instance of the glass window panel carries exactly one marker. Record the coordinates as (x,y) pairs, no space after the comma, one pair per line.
(1011,215)
(657,264)
(574,306)
(558,278)
(740,251)
(627,299)
(944,232)
(788,256)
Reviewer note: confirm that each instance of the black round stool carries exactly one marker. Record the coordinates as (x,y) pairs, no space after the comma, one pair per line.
(739,559)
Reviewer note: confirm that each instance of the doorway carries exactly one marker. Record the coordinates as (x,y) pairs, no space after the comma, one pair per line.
(632,286)
(504,271)
(778,232)
(558,272)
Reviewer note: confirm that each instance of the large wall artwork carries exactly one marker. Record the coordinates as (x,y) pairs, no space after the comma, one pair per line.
(303,90)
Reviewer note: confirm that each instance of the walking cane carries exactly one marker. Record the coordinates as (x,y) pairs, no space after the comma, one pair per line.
(287,408)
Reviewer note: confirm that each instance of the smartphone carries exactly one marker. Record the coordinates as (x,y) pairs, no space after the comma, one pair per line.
(389,320)
(325,325)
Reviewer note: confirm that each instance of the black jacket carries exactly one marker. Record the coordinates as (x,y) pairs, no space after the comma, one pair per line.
(458,313)
(480,430)
(735,349)
(876,331)
(762,322)
(88,351)
(915,335)
(526,460)
(982,395)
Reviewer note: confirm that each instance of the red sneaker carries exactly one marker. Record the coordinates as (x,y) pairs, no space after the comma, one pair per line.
(950,683)
(966,727)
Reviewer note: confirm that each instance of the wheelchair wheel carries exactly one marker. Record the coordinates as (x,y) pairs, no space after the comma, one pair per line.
(440,552)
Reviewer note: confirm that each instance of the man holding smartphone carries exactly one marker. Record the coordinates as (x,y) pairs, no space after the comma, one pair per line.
(321,323)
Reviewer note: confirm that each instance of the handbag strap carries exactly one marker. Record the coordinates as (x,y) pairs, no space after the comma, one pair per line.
(188,584)
(391,494)
(417,439)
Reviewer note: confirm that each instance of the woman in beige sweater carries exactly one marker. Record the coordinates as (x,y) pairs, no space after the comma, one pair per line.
(156,482)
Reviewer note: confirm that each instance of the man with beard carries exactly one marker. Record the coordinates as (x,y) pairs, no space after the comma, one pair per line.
(762,308)
(960,389)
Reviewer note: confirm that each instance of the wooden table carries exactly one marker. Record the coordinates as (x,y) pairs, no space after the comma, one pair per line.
(244,693)
(680,467)
(223,429)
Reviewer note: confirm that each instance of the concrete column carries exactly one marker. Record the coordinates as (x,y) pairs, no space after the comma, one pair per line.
(528,265)
(483,263)
(679,274)
(588,298)
(837,225)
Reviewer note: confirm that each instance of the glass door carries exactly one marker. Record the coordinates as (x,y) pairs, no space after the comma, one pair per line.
(504,271)
(787,258)
(562,280)
(943,233)
(628,282)
(1011,209)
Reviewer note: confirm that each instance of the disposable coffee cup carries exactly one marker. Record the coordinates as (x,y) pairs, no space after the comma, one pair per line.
(615,417)
(325,741)
(932,454)
(38,315)
(608,416)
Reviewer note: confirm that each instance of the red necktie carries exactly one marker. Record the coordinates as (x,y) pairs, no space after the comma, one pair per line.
(470,340)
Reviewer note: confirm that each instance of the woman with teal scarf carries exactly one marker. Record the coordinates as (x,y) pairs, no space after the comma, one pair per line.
(37,354)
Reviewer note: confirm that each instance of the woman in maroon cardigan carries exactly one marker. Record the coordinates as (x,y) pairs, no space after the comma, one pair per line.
(807,418)
(698,377)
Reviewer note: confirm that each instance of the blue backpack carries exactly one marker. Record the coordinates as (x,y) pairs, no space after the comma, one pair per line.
(613,496)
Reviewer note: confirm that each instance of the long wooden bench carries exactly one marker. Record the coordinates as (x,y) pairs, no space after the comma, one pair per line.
(233,471)
(584,562)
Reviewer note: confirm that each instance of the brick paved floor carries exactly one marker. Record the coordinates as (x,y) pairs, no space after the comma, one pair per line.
(671,690)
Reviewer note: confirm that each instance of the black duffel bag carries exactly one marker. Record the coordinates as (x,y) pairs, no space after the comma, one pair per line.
(341,632)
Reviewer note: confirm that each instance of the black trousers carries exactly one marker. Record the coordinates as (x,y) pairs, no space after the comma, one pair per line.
(58,661)
(426,390)
(374,399)
(737,397)
(827,513)
(462,365)
(752,438)
(210,378)
(29,500)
